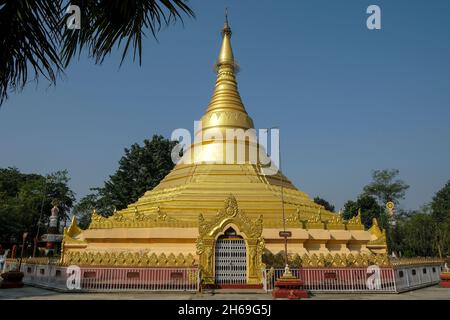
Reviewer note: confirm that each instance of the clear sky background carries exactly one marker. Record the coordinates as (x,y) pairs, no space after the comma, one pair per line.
(348,100)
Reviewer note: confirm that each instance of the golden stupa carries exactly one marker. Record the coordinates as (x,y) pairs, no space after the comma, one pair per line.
(205,203)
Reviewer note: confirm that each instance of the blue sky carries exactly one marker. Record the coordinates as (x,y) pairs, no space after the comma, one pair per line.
(348,100)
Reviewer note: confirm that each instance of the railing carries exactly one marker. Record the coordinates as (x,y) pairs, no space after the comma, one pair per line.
(111,279)
(344,280)
(418,276)
(338,279)
(140,279)
(390,280)
(48,275)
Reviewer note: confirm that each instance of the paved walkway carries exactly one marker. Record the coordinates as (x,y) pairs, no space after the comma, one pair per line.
(33,293)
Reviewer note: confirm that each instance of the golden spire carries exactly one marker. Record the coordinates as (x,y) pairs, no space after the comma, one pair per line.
(226,53)
(225,108)
(224,116)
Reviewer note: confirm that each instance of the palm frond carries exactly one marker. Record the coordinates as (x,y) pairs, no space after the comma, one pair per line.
(29,39)
(34,36)
(109,23)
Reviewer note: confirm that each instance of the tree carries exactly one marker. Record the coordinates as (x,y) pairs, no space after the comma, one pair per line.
(83,209)
(424,232)
(24,196)
(442,238)
(32,32)
(417,236)
(385,187)
(441,215)
(57,188)
(140,169)
(328,206)
(369,209)
(441,204)
(420,234)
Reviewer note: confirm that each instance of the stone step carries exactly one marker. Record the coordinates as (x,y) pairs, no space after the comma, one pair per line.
(236,290)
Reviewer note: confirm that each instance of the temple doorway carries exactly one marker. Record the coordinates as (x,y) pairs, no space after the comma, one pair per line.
(230,259)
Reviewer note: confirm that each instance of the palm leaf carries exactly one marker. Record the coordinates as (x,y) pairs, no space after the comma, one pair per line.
(109,23)
(28,40)
(34,38)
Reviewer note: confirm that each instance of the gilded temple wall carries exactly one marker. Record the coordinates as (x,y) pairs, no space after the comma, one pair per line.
(176,246)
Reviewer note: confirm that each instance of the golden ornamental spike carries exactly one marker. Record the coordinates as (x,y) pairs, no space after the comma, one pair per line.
(226,27)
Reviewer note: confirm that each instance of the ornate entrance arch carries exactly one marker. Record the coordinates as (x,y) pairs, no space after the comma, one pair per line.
(250,231)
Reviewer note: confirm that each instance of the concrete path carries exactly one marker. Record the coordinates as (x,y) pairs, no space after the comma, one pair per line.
(33,293)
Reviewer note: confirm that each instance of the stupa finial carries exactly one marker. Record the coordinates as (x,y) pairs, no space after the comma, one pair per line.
(226,96)
(226,56)
(226,27)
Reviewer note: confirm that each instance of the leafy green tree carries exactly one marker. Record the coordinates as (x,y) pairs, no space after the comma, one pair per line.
(10,224)
(424,232)
(441,215)
(441,204)
(57,188)
(24,196)
(328,206)
(140,169)
(417,235)
(421,232)
(83,209)
(369,209)
(35,40)
(386,187)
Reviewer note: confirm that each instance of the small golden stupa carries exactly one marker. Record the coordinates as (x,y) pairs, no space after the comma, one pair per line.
(222,216)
